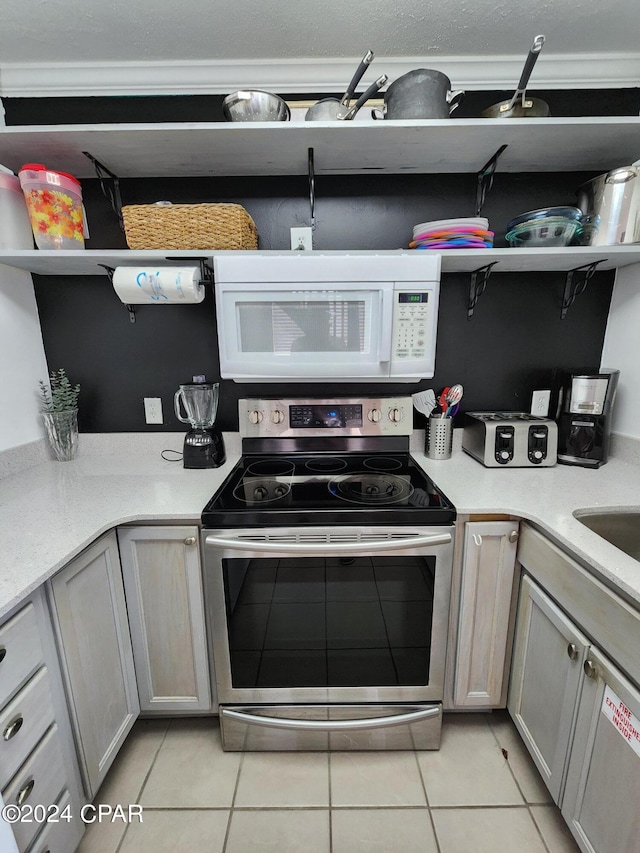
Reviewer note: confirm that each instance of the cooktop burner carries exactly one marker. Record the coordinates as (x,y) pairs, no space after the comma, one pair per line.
(353,488)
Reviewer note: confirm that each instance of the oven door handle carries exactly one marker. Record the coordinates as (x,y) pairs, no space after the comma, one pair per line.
(330,725)
(357,547)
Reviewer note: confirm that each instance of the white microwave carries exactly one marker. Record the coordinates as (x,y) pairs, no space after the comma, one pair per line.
(317,317)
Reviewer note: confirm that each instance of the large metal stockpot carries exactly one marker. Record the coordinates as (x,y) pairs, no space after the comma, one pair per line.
(611,207)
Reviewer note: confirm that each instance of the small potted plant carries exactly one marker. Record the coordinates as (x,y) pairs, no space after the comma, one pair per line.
(59,408)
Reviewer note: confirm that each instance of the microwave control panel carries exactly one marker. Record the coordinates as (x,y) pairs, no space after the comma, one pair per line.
(413,332)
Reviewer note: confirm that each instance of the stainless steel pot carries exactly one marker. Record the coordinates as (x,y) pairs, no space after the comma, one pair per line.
(519,106)
(420,94)
(611,205)
(332,109)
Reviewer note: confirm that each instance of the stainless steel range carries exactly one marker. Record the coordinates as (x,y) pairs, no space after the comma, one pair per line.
(328,558)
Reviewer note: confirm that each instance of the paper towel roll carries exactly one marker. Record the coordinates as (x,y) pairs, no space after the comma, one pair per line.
(158,285)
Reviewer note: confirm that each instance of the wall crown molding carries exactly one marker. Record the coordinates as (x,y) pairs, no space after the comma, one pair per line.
(582,71)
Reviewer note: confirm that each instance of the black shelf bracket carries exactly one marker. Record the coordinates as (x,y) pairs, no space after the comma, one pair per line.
(130,308)
(110,186)
(312,186)
(206,270)
(479,279)
(573,289)
(485,179)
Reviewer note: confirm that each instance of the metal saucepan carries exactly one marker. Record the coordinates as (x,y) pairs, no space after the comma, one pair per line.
(528,107)
(332,109)
(420,94)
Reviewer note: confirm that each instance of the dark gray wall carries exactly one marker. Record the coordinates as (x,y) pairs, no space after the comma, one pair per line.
(510,347)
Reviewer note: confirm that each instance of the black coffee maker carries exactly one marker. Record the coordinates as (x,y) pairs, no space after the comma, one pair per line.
(584,410)
(203,443)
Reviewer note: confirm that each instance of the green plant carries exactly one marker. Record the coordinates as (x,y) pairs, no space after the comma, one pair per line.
(61,395)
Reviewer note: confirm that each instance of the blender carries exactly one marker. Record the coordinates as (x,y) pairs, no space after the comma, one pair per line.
(203,444)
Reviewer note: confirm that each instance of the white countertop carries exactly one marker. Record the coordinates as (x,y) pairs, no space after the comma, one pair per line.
(52,511)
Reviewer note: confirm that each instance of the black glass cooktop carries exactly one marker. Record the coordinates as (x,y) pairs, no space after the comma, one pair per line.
(349,488)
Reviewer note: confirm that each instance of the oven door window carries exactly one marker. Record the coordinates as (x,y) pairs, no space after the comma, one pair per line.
(334,622)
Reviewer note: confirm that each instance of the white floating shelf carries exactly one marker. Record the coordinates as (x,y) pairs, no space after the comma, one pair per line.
(197,149)
(68,263)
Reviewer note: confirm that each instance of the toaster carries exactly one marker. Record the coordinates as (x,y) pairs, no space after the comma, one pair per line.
(510,439)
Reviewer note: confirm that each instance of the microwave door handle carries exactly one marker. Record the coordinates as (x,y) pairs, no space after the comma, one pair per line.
(330,547)
(386,326)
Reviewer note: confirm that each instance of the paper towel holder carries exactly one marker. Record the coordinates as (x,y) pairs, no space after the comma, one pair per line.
(206,270)
(130,308)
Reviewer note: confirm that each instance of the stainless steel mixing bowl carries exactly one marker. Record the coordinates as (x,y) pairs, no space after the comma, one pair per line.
(255,105)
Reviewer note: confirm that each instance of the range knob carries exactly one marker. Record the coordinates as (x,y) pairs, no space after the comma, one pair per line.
(374,415)
(277,416)
(260,493)
(395,415)
(255,417)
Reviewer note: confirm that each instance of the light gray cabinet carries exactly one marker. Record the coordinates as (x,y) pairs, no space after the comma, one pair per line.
(481,614)
(546,677)
(601,801)
(90,617)
(163,586)
(580,719)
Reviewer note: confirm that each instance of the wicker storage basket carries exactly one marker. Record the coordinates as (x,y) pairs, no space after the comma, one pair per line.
(189,226)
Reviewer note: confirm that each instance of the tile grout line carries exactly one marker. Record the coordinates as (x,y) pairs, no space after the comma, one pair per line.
(426,797)
(233,799)
(330,802)
(144,782)
(522,793)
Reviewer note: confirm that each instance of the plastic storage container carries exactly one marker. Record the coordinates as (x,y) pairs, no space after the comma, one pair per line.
(15,228)
(54,202)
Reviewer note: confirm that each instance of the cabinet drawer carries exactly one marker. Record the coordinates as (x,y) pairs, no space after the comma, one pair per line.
(20,651)
(23,722)
(38,783)
(62,836)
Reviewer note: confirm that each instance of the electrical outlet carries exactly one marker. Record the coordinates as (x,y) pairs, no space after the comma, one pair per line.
(302,239)
(153,410)
(540,403)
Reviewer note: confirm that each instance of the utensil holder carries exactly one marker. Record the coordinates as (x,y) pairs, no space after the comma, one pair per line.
(439,442)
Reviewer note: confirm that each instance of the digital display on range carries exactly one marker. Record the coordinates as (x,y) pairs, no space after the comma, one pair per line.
(325,417)
(413,297)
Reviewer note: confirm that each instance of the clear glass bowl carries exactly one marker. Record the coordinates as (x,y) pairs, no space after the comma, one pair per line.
(547,232)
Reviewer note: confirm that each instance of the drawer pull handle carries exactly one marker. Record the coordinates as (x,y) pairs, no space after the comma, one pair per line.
(3,653)
(190,540)
(25,793)
(572,651)
(13,728)
(590,669)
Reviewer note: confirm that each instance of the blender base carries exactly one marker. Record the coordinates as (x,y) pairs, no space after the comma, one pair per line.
(203,448)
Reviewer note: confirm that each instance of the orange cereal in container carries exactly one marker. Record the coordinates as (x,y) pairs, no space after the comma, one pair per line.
(54,202)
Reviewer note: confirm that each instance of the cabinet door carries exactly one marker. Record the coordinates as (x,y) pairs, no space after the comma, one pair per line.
(602,794)
(90,612)
(546,677)
(163,585)
(486,585)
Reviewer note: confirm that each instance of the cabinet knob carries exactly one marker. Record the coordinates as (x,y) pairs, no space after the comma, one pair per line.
(190,540)
(513,536)
(477,539)
(13,728)
(25,793)
(590,669)
(3,653)
(572,651)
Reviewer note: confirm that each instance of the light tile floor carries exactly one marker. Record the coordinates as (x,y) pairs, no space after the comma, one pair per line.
(480,793)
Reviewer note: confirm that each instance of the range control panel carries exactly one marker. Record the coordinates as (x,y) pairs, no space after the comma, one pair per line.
(282,418)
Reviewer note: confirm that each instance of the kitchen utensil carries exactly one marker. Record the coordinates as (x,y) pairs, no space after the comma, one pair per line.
(528,107)
(420,94)
(442,399)
(611,202)
(255,105)
(453,397)
(332,109)
(424,401)
(362,100)
(552,231)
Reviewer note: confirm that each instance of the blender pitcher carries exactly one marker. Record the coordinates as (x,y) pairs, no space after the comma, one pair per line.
(203,444)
